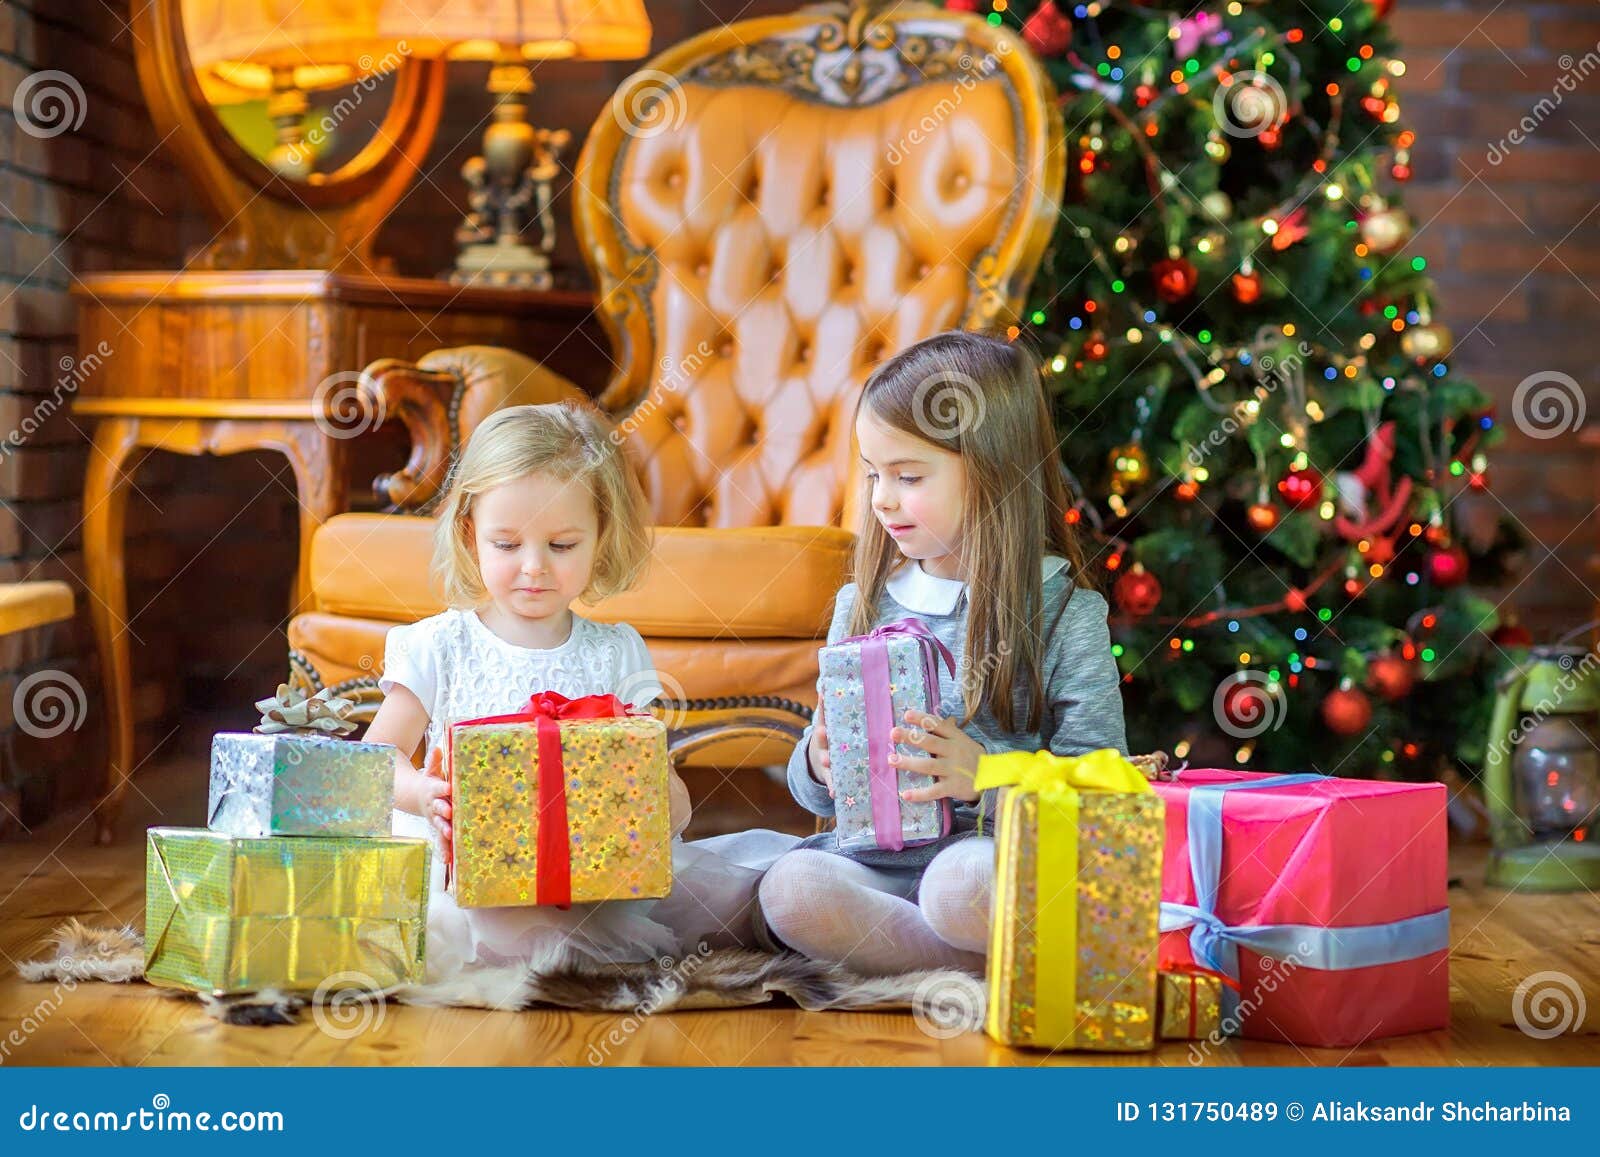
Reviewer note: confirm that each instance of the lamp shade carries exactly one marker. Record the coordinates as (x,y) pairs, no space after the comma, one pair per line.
(236,47)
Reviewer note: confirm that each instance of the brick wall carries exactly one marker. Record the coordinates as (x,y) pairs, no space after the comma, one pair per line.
(1512,244)
(104,197)
(1510,231)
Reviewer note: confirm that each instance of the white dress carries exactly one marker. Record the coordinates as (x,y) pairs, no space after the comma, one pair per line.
(460,669)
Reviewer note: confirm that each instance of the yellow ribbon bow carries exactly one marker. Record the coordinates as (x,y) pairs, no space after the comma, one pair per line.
(1057,780)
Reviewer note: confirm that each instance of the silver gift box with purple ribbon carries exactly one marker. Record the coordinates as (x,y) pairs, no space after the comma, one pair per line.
(867,684)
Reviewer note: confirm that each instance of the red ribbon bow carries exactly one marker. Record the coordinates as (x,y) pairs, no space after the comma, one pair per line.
(553,876)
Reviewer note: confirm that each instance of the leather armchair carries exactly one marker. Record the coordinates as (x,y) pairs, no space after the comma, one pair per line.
(768,210)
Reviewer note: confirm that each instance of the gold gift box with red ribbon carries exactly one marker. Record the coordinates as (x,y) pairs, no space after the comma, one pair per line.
(563,802)
(1190,1003)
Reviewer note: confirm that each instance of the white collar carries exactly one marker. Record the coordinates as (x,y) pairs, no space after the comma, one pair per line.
(922,593)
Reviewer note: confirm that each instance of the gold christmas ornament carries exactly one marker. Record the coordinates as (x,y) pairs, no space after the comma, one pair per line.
(1218,204)
(1386,230)
(1427,343)
(1130,467)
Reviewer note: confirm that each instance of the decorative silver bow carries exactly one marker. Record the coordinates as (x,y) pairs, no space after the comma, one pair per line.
(292,711)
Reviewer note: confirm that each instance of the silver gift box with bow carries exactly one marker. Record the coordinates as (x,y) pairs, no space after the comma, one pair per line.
(295,774)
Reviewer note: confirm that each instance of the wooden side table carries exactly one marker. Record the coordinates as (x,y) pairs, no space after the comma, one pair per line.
(221,362)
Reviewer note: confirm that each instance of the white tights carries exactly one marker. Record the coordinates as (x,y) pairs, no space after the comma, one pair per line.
(878,921)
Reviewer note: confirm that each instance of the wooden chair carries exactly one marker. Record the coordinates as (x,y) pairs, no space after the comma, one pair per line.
(768,210)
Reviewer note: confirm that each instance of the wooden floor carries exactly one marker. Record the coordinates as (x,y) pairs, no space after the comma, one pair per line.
(55,873)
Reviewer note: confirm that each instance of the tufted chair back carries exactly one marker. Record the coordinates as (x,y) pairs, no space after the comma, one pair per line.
(773,207)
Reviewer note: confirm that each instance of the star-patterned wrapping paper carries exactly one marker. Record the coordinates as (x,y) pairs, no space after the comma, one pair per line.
(1118,902)
(300,785)
(843,694)
(235,915)
(619,826)
(1190,1004)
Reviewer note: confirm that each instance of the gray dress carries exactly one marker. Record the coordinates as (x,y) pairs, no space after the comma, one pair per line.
(1082,708)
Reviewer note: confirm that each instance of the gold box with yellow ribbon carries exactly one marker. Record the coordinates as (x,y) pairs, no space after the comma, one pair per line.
(1074,927)
(234,914)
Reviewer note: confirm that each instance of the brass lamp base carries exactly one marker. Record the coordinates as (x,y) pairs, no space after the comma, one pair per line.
(1568,867)
(499,264)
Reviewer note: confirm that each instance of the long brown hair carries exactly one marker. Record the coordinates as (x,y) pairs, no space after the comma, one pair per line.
(982,397)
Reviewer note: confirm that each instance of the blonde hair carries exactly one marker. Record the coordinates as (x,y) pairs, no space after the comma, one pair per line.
(981,397)
(565,441)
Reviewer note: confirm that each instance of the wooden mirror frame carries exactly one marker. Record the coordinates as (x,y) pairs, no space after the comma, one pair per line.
(267,221)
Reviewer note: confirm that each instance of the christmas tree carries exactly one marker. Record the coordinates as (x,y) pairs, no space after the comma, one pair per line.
(1274,465)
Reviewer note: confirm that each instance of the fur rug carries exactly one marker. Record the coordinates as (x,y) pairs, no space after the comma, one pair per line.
(946,1001)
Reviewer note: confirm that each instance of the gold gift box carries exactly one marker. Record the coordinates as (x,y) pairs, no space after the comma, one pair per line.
(230,914)
(618,815)
(1118,897)
(1190,1005)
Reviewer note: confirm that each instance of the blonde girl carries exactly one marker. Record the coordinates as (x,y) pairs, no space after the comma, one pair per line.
(963,526)
(541,510)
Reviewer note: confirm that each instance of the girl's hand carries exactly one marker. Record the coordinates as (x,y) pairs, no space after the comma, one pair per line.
(817,752)
(952,757)
(437,785)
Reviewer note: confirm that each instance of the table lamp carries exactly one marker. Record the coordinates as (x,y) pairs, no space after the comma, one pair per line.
(510,181)
(279,50)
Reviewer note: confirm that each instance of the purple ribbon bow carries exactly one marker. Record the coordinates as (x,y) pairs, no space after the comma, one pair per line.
(883,783)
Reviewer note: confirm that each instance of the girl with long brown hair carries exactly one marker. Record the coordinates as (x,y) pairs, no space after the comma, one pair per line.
(963,526)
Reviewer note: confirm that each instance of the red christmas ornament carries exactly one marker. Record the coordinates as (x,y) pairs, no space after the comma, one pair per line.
(1301,489)
(1512,634)
(1346,711)
(1382,8)
(1247,287)
(1144,94)
(1380,551)
(1391,677)
(1245,704)
(1294,600)
(1447,566)
(1047,31)
(1175,278)
(1187,491)
(1137,591)
(961,5)
(1262,516)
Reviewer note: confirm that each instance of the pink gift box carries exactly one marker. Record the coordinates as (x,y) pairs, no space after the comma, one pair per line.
(1329,897)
